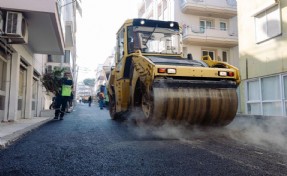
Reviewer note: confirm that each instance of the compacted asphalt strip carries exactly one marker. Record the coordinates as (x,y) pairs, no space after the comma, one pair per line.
(88,142)
(11,131)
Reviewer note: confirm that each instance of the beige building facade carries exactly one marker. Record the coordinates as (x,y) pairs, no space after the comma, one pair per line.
(30,31)
(262,26)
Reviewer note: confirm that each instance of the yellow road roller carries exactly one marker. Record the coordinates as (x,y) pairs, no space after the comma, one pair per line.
(151,77)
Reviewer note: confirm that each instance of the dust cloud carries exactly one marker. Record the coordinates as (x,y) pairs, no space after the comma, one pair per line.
(169,130)
(269,132)
(160,130)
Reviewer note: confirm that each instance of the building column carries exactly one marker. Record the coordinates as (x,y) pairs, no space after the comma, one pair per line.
(39,98)
(14,87)
(7,88)
(29,90)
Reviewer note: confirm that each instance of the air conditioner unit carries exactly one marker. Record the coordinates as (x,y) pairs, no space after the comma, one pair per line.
(16,28)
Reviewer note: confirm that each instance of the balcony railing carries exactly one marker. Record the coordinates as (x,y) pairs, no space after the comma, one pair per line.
(211,8)
(209,36)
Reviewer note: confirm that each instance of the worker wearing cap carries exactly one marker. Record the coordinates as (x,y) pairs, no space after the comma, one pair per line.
(63,96)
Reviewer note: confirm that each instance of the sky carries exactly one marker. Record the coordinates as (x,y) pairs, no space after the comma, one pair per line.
(96,31)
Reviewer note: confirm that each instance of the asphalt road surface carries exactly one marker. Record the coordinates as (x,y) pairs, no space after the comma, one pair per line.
(88,142)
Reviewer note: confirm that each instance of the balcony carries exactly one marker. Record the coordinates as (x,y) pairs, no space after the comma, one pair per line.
(45,34)
(195,35)
(210,8)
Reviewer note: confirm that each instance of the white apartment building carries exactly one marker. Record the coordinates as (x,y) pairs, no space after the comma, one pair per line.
(101,78)
(209,26)
(30,31)
(68,14)
(262,26)
(83,91)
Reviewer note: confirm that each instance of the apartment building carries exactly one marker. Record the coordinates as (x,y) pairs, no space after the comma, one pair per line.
(101,78)
(209,27)
(262,26)
(68,13)
(83,91)
(30,32)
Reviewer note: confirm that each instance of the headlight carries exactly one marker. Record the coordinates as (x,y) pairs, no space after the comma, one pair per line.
(167,70)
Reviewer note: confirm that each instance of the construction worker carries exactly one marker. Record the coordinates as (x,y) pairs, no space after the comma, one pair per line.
(101,99)
(63,95)
(90,100)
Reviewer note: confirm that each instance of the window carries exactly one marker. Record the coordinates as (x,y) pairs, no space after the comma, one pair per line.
(285,87)
(253,90)
(224,56)
(159,11)
(3,66)
(253,97)
(149,15)
(55,58)
(271,96)
(151,40)
(210,53)
(223,26)
(67,56)
(120,45)
(270,88)
(205,24)
(268,24)
(285,92)
(165,11)
(50,58)
(2,102)
(34,93)
(264,96)
(49,69)
(3,70)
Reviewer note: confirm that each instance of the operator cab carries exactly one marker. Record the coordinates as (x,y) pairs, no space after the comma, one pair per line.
(152,37)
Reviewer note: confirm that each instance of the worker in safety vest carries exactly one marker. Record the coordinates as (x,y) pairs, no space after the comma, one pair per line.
(63,95)
(101,97)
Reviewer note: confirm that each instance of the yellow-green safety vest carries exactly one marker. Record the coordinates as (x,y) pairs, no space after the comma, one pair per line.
(66,90)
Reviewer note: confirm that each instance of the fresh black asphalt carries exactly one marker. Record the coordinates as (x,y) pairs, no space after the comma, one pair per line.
(87,142)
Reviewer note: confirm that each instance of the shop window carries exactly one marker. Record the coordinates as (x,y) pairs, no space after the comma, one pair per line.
(254,108)
(271,88)
(264,96)
(272,108)
(253,90)
(253,97)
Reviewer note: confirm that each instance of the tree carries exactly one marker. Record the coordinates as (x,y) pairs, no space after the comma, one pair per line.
(89,82)
(51,81)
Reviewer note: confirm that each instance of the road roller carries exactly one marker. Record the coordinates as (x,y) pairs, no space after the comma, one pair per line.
(152,77)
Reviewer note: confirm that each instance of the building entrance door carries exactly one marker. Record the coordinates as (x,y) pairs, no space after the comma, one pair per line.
(34,97)
(22,92)
(3,71)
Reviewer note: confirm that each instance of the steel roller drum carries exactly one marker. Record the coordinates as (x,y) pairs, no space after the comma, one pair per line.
(199,106)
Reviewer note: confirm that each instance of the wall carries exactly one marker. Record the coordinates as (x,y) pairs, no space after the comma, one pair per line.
(264,58)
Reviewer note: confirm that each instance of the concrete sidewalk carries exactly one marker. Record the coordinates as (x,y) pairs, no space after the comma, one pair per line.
(11,131)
